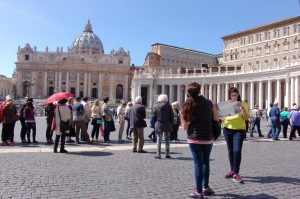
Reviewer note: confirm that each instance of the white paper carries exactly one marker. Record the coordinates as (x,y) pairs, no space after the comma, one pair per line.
(228,108)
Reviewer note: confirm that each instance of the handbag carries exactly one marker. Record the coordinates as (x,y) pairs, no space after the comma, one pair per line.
(216,129)
(99,121)
(112,126)
(63,126)
(216,126)
(96,121)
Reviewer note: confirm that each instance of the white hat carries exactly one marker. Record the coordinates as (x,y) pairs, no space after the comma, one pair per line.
(295,107)
(8,97)
(175,103)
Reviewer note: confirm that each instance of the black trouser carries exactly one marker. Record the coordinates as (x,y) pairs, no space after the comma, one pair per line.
(293,131)
(8,132)
(62,142)
(284,129)
(29,126)
(107,127)
(95,130)
(48,130)
(174,132)
(128,130)
(23,129)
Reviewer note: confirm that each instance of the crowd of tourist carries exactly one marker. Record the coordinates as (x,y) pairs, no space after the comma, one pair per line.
(69,117)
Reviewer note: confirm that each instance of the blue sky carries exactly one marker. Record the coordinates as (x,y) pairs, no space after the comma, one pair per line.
(132,24)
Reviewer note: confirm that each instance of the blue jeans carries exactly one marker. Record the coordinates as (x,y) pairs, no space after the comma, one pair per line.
(234,141)
(201,153)
(276,127)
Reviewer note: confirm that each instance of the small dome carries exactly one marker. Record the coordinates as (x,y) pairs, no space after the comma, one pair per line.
(87,41)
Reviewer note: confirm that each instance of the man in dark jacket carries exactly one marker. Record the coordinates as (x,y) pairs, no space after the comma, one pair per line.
(163,114)
(137,115)
(49,112)
(275,119)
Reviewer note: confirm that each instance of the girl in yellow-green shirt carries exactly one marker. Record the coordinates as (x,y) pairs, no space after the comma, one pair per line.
(234,132)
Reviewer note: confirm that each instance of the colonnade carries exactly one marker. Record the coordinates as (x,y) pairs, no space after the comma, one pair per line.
(284,91)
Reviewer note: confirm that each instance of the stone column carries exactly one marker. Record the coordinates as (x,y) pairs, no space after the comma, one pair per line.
(99,86)
(126,89)
(287,92)
(59,81)
(218,92)
(252,97)
(85,93)
(210,92)
(243,90)
(67,81)
(171,99)
(179,93)
(89,84)
(202,90)
(77,84)
(56,82)
(185,92)
(292,96)
(111,87)
(150,95)
(226,92)
(260,95)
(296,99)
(32,89)
(162,89)
(45,84)
(139,87)
(269,93)
(278,92)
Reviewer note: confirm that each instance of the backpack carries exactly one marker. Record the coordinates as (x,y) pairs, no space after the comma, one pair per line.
(2,105)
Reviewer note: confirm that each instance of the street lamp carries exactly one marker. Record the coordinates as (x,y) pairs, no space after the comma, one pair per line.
(28,83)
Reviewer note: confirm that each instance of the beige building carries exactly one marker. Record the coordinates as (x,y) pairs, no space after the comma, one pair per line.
(167,60)
(263,62)
(84,69)
(6,86)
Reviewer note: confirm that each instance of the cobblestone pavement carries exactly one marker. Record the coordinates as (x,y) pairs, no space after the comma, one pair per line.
(270,170)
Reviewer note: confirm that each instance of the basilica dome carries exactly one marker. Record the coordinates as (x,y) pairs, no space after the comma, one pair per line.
(87,41)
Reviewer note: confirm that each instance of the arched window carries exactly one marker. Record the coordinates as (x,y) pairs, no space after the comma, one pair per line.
(119,92)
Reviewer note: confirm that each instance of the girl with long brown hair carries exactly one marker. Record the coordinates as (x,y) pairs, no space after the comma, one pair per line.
(197,114)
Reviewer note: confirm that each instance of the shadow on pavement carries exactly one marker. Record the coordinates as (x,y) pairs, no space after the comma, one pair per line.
(261,195)
(28,145)
(91,153)
(183,158)
(273,179)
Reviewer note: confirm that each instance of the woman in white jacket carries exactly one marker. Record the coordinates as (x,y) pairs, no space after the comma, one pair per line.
(61,113)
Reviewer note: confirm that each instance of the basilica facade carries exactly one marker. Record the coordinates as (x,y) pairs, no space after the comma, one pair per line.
(84,69)
(263,62)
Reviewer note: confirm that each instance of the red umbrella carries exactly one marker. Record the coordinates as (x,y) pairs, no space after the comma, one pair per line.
(58,96)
